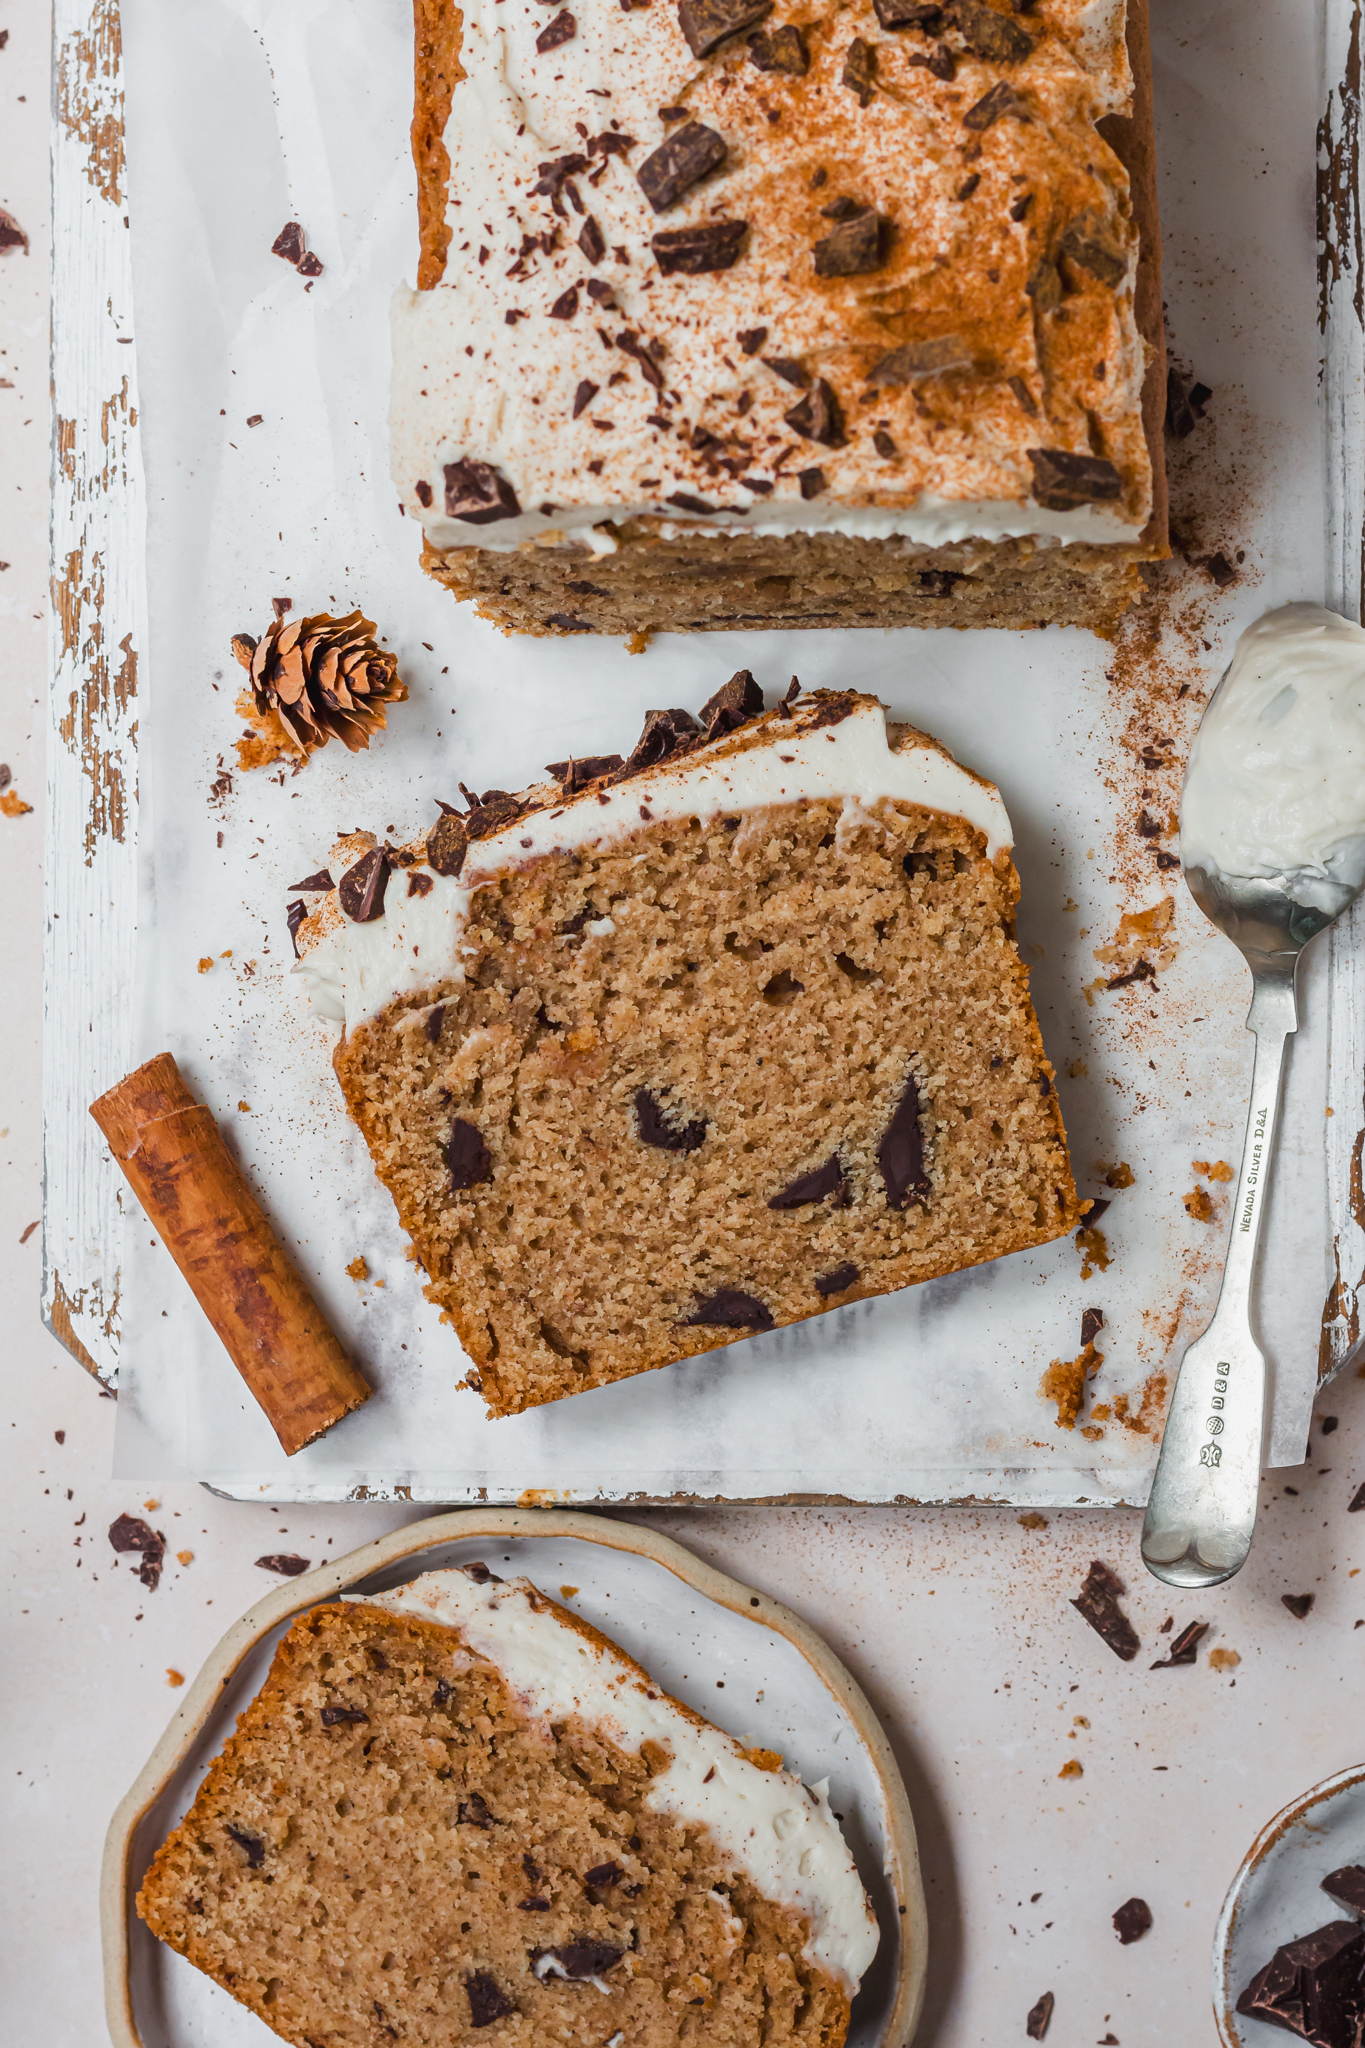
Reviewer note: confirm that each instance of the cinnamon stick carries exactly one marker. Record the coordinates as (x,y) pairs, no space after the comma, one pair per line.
(194,1194)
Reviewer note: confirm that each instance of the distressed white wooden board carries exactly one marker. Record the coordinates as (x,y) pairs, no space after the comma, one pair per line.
(96,638)
(1341,260)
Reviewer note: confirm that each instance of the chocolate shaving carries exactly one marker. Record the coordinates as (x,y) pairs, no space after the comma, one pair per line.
(287,1563)
(1035,2027)
(479,1572)
(643,353)
(811,481)
(252,1844)
(1062,481)
(1090,245)
(789,370)
(925,14)
(784,51)
(314,884)
(583,1957)
(709,245)
(1132,1920)
(688,156)
(733,705)
(495,808)
(900,1155)
(941,63)
(566,305)
(1092,1322)
(336,1717)
(686,502)
(836,1282)
(752,339)
(1001,99)
(487,1999)
(709,23)
(130,1532)
(1144,971)
(1357,1504)
(730,1309)
(590,241)
(884,445)
(447,844)
(562,29)
(921,359)
(818,416)
(1347,1886)
(577,772)
(860,70)
(666,733)
(986,33)
(584,397)
(1185,1648)
(288,242)
(855,247)
(476,494)
(834,706)
(361,889)
(471,1812)
(555,176)
(654,1128)
(467,1156)
(815,1186)
(294,915)
(1097,1603)
(1024,396)
(603,1874)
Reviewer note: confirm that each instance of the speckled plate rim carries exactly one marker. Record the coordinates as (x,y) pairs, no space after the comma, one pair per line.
(201,1702)
(1224,1991)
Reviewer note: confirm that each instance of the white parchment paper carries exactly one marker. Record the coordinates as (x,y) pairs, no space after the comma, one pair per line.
(243,114)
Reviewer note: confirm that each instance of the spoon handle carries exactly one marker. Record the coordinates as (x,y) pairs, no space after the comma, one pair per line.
(1202,1509)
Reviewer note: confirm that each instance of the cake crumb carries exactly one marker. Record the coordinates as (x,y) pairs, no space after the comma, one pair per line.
(174,1677)
(1094,1251)
(206,963)
(1198,1206)
(1223,1660)
(568,1592)
(1072,1768)
(184,1557)
(1064,1382)
(1032,1521)
(1217,1169)
(1120,1176)
(358,1270)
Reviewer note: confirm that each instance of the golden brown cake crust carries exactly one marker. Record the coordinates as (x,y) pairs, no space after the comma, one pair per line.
(437,25)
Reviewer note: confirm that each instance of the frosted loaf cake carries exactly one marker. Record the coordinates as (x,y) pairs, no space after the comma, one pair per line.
(668,1051)
(456,1812)
(738,312)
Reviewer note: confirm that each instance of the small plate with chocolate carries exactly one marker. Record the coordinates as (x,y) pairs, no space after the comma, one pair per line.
(1289,1951)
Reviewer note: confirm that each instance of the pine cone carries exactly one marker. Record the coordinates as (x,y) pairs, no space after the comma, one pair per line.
(312,679)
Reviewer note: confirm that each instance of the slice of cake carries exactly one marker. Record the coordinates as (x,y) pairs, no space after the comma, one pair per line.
(743,312)
(679,1048)
(456,1810)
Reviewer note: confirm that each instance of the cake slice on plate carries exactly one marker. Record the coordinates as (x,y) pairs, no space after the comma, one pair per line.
(672,1050)
(455,1811)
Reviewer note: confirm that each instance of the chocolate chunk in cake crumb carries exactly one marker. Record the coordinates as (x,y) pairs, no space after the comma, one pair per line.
(1097,1603)
(476,494)
(288,1564)
(1036,2025)
(1132,1920)
(1185,1648)
(655,1128)
(818,417)
(816,1186)
(1062,481)
(1347,1887)
(709,23)
(731,1309)
(709,245)
(900,1155)
(838,1281)
(435,1019)
(856,246)
(339,1717)
(580,1960)
(362,887)
(487,1999)
(603,1874)
(252,1845)
(130,1532)
(679,163)
(467,1156)
(784,51)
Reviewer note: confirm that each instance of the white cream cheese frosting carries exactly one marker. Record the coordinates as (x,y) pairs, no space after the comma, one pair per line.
(778,1832)
(510,361)
(352,970)
(1276,778)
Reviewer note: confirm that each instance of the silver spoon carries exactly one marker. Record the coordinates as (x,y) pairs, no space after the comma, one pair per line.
(1202,1510)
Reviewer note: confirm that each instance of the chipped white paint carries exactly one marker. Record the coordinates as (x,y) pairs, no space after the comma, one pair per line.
(96,633)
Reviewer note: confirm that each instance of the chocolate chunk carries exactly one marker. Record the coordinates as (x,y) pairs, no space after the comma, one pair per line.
(1024,396)
(1036,2025)
(566,305)
(733,705)
(447,844)
(533,1905)
(1314,1987)
(603,1874)
(1001,99)
(130,1532)
(479,1573)
(709,245)
(842,209)
(253,1845)
(860,70)
(314,884)
(576,773)
(856,246)
(653,1127)
(1300,1605)
(476,494)
(686,502)
(837,1281)
(921,359)
(678,164)
(789,370)
(900,1156)
(423,490)
(943,64)
(1097,1603)
(812,482)
(472,1811)
(1357,1503)
(1144,971)
(1347,1887)
(467,1156)
(752,339)
(646,354)
(818,416)
(288,1564)
(1062,481)
(925,14)
(288,242)
(666,734)
(562,29)
(986,33)
(1090,245)
(310,265)
(939,583)
(446,1691)
(435,1019)
(361,891)
(294,915)
(336,1717)
(584,396)
(494,809)
(590,241)
(784,50)
(1045,287)
(1185,1648)
(1092,1322)
(487,1999)
(834,707)
(814,1186)
(578,1959)
(555,176)
(729,1309)
(709,23)
(1132,1920)
(884,445)
(1220,569)
(1096,1209)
